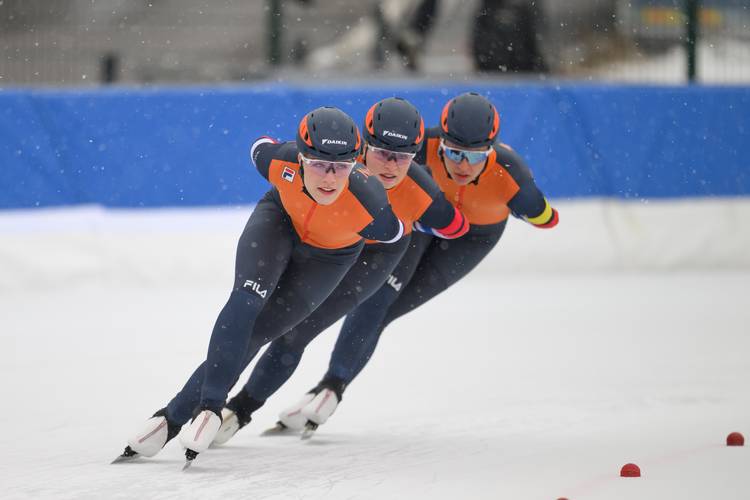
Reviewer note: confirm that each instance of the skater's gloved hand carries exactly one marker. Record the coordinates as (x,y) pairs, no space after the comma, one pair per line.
(457,228)
(546,220)
(553,220)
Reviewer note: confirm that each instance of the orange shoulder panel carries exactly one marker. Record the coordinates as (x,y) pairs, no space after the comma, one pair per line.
(284,175)
(408,201)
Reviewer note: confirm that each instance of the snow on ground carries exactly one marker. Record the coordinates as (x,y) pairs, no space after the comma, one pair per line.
(514,384)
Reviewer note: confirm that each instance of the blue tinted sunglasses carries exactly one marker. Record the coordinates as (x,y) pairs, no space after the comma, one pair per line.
(458,155)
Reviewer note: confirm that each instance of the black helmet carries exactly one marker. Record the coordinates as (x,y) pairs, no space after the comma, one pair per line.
(394,124)
(470,120)
(328,134)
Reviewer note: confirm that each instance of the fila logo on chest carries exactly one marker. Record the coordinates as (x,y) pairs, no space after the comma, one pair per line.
(288,174)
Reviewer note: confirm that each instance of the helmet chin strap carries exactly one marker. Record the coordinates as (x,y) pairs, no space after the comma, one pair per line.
(301,170)
(442,160)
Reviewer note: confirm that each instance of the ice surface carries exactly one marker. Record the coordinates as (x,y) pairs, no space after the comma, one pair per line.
(511,385)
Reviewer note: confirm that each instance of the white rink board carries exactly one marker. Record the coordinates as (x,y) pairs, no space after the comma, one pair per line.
(517,383)
(90,245)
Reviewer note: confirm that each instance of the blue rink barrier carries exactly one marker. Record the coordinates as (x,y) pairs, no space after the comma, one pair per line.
(189,146)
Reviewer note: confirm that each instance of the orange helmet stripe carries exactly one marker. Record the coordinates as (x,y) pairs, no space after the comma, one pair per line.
(444,116)
(369,123)
(495,125)
(421,131)
(304,133)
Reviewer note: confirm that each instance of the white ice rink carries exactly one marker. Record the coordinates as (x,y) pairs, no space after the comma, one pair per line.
(621,336)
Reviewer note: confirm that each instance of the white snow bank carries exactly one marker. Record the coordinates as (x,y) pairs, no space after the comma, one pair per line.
(90,245)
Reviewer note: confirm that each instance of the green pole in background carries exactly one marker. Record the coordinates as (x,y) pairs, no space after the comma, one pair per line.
(691,38)
(274,32)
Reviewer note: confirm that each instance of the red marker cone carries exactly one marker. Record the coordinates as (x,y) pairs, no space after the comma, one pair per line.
(735,439)
(630,470)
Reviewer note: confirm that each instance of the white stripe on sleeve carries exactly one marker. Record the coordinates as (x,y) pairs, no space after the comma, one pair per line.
(400,233)
(262,140)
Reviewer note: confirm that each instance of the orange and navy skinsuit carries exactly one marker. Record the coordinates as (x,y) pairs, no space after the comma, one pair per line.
(417,198)
(505,185)
(292,249)
(361,211)
(431,265)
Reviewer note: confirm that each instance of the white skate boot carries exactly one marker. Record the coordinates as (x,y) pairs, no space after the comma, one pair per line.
(230,424)
(199,434)
(292,417)
(317,411)
(235,415)
(150,438)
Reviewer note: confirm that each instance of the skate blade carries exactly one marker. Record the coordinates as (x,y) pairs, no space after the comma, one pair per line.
(124,459)
(127,456)
(189,458)
(310,428)
(277,430)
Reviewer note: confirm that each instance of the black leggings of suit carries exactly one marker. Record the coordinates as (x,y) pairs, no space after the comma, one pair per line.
(430,266)
(366,276)
(276,275)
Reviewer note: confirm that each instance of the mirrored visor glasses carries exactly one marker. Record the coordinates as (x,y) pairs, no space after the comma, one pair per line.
(458,155)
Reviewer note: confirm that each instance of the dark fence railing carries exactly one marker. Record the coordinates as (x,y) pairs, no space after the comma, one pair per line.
(83,43)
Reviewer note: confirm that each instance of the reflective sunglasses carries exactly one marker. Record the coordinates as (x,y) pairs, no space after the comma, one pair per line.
(322,167)
(386,155)
(458,155)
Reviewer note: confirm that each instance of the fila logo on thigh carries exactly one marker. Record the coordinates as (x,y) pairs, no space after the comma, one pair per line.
(255,287)
(393,281)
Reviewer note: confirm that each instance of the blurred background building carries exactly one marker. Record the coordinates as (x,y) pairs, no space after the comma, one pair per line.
(89,42)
